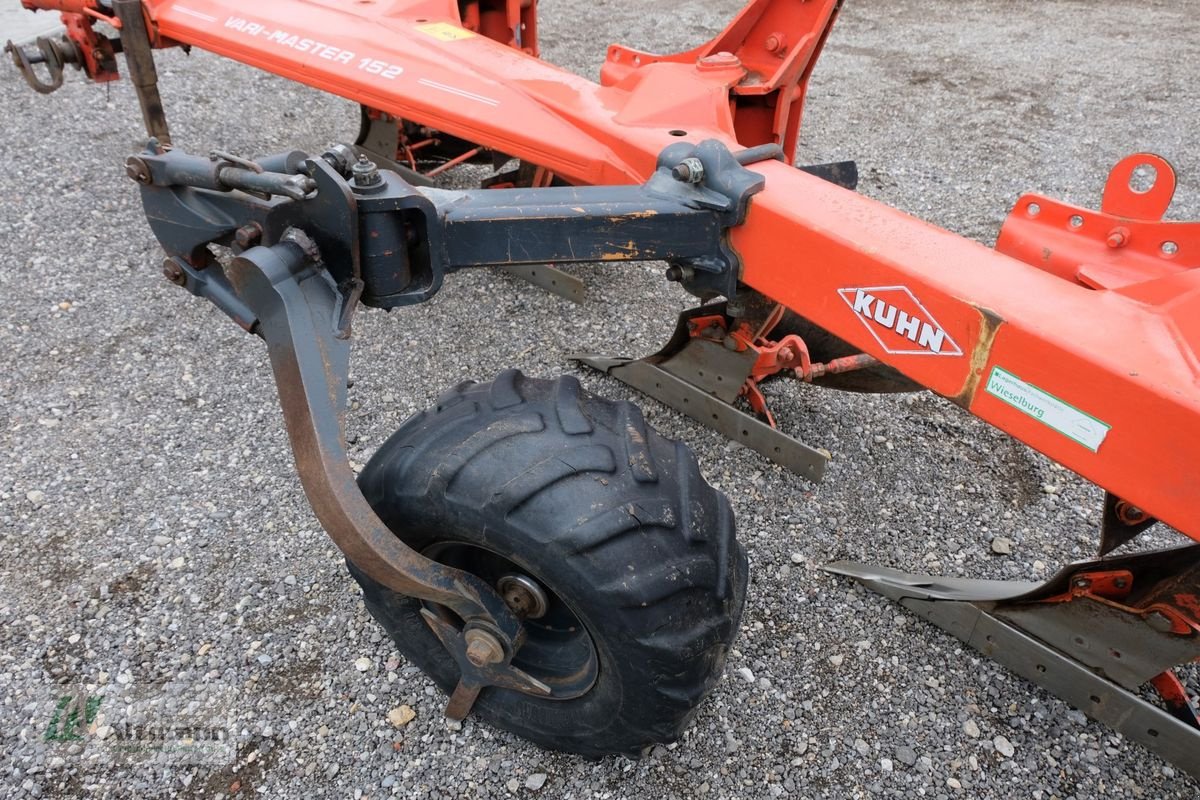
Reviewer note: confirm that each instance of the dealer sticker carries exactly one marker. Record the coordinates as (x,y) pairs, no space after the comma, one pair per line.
(1047,409)
(444,31)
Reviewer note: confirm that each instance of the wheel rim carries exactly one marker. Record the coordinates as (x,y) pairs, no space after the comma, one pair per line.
(558,650)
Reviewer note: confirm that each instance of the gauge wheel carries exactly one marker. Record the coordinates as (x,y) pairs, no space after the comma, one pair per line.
(600,532)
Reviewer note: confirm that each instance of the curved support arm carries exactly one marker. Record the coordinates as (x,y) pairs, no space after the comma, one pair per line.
(298,310)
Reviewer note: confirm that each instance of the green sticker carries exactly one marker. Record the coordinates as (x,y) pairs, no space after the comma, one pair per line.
(1047,409)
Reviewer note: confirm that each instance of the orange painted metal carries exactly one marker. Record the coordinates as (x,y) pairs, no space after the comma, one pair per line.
(95,51)
(770,46)
(772,356)
(1123,244)
(1170,599)
(1098,373)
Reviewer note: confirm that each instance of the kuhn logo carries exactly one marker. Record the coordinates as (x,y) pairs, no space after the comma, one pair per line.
(899,322)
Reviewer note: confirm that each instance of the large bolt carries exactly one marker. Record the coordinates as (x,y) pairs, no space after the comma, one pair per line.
(248,235)
(777,44)
(1117,237)
(690,170)
(483,648)
(136,168)
(365,172)
(1128,513)
(676,273)
(174,273)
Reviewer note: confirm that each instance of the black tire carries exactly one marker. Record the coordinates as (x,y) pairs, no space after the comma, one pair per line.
(613,520)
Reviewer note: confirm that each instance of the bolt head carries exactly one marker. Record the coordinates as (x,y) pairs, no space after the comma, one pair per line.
(483,648)
(247,235)
(136,169)
(365,172)
(719,61)
(173,272)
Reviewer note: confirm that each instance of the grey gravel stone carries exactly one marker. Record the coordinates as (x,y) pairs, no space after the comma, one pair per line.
(1004,747)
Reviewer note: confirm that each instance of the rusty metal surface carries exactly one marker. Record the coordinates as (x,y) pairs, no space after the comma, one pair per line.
(139,62)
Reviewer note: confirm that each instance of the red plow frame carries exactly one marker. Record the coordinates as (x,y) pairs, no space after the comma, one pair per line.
(1078,335)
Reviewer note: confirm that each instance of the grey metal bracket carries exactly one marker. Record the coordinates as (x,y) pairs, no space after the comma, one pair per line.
(377,140)
(713,412)
(1081,651)
(552,279)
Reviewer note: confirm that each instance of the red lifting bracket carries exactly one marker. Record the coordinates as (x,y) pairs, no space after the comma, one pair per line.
(766,53)
(1124,244)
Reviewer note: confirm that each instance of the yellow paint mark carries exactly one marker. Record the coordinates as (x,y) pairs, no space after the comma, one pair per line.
(990,323)
(445,32)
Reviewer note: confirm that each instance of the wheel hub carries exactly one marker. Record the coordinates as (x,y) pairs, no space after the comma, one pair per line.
(523,596)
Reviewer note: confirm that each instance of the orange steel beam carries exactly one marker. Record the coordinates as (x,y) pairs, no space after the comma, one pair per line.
(1102,381)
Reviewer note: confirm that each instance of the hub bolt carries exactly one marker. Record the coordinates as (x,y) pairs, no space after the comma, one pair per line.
(483,648)
(523,595)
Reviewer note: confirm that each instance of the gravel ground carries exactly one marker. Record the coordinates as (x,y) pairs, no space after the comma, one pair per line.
(152,530)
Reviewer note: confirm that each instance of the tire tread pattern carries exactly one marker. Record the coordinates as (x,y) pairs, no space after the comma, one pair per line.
(621,524)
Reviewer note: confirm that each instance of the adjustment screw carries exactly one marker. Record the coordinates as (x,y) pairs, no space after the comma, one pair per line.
(365,172)
(483,648)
